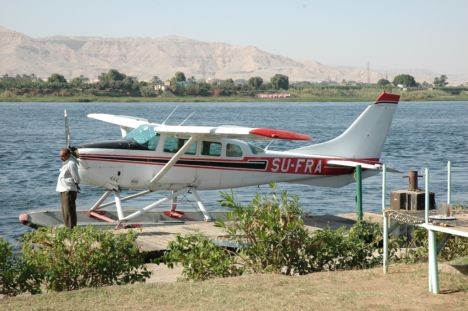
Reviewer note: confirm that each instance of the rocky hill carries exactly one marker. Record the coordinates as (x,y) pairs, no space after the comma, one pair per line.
(148,57)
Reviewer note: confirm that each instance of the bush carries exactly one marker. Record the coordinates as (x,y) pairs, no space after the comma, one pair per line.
(272,232)
(416,247)
(68,259)
(273,238)
(16,277)
(201,258)
(358,248)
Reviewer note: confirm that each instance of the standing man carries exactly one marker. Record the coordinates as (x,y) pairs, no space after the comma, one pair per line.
(67,186)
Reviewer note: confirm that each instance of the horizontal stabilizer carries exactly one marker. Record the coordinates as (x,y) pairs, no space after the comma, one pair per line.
(347,163)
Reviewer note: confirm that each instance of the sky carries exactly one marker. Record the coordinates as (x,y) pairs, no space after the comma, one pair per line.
(389,35)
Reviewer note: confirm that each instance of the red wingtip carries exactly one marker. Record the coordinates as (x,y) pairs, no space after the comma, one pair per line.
(388,98)
(279,134)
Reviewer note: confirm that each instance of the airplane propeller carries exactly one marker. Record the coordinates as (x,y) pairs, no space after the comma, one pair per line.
(67,129)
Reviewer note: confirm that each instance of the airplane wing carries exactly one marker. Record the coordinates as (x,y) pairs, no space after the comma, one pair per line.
(227,131)
(347,163)
(126,123)
(232,132)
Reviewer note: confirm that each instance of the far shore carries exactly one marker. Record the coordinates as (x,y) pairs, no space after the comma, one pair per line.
(405,96)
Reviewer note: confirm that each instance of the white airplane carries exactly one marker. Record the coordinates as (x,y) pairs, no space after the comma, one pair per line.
(185,159)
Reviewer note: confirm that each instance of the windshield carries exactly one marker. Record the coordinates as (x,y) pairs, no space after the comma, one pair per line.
(255,149)
(144,135)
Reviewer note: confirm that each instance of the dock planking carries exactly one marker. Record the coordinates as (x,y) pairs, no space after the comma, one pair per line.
(155,239)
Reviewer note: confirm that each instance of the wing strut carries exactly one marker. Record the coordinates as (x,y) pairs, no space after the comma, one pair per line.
(171,162)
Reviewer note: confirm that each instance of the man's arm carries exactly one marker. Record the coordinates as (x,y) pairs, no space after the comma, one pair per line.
(74,172)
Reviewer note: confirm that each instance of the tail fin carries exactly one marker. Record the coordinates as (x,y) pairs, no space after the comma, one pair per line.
(365,138)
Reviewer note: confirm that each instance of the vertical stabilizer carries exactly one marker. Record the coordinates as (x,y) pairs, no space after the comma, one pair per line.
(365,137)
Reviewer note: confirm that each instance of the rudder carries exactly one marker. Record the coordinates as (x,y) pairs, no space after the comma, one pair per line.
(365,137)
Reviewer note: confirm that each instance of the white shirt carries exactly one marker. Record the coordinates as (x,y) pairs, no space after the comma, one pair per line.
(68,177)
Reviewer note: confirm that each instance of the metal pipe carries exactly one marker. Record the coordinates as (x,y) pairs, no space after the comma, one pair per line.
(201,207)
(433,270)
(449,182)
(132,196)
(385,220)
(97,205)
(155,204)
(426,197)
(118,205)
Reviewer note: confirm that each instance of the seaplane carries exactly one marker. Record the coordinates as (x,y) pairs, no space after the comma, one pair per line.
(182,159)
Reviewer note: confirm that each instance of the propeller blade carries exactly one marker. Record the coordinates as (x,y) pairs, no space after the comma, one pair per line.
(67,129)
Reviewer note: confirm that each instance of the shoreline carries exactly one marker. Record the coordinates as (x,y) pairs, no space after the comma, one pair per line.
(405,97)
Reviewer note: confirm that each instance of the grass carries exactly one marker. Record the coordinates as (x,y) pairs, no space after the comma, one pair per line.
(405,287)
(318,94)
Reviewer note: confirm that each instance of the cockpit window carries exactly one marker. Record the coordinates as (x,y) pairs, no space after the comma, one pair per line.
(144,135)
(233,150)
(255,149)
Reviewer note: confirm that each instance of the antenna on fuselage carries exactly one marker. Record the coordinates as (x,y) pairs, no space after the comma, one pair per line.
(186,119)
(170,115)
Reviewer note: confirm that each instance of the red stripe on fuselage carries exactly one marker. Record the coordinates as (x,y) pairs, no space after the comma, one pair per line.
(281,165)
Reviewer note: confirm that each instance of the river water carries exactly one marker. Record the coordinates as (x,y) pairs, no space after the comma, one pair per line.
(422,135)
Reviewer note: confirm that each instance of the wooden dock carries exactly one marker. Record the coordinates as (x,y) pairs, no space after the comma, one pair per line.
(155,239)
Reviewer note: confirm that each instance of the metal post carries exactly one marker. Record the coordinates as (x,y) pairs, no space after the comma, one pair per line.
(385,220)
(358,193)
(433,278)
(449,182)
(426,197)
(426,221)
(433,270)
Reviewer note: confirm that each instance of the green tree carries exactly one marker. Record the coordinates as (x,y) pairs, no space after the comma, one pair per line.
(383,82)
(56,78)
(440,81)
(404,79)
(79,81)
(255,82)
(155,80)
(179,77)
(279,81)
(111,76)
(178,83)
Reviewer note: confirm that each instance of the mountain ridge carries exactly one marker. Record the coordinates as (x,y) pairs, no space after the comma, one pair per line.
(145,57)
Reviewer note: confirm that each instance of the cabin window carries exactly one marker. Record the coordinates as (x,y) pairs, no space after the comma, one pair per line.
(173,144)
(144,135)
(233,150)
(211,148)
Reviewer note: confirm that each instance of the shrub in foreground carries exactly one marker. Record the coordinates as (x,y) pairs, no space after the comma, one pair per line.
(16,277)
(272,237)
(201,258)
(342,249)
(68,259)
(271,231)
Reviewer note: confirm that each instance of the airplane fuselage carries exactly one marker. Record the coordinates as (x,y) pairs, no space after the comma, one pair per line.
(207,165)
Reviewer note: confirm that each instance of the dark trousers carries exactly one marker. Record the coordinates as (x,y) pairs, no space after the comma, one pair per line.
(67,200)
